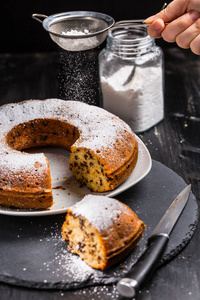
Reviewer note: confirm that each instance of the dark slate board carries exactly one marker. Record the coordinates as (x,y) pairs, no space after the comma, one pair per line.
(33,254)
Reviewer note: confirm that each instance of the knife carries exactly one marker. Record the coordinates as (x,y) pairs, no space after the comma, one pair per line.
(157,242)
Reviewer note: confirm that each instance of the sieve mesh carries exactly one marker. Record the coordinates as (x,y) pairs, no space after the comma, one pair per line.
(77,31)
(92,25)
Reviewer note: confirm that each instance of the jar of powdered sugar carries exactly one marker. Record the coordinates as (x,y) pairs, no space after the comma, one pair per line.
(131,77)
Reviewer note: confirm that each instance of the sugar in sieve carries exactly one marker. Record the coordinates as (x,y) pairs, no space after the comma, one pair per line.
(76,30)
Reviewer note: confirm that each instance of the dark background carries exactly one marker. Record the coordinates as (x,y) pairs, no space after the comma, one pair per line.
(20,33)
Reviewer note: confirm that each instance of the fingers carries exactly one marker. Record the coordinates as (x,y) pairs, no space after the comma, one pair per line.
(183,18)
(171,31)
(195,45)
(185,31)
(190,38)
(156,28)
(173,10)
(179,26)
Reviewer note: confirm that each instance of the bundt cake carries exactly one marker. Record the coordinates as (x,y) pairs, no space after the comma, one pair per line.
(104,149)
(101,230)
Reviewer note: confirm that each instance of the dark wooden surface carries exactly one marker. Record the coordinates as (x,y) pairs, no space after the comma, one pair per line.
(175,142)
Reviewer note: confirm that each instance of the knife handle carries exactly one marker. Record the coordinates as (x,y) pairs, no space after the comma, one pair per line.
(144,267)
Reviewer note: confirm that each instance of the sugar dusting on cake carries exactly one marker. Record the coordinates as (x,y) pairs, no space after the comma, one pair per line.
(98,128)
(16,162)
(107,210)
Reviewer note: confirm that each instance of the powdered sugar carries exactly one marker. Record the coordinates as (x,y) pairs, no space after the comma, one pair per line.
(75,271)
(76,44)
(106,210)
(16,162)
(78,76)
(140,101)
(75,32)
(98,128)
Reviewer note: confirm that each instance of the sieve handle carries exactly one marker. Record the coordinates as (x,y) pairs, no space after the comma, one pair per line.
(37,16)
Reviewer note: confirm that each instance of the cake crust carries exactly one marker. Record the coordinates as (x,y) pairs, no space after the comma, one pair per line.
(104,150)
(101,230)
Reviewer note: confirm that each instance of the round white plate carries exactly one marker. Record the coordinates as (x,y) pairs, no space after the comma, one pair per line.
(66,189)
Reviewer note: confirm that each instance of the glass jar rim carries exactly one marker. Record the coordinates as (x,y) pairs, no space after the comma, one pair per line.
(127,34)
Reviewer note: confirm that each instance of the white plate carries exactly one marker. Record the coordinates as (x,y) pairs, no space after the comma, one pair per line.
(66,189)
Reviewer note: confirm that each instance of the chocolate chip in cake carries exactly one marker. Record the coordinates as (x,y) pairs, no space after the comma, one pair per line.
(43,137)
(45,123)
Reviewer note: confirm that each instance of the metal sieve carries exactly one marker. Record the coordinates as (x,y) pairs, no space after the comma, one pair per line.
(76,30)
(82,30)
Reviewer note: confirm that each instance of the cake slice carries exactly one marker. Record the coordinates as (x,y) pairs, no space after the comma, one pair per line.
(101,230)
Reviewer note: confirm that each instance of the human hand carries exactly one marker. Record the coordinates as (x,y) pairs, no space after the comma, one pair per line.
(183,18)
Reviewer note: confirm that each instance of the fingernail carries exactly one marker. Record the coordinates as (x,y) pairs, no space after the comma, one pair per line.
(194,15)
(158,25)
(150,19)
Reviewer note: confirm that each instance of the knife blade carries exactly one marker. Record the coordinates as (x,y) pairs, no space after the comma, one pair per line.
(157,242)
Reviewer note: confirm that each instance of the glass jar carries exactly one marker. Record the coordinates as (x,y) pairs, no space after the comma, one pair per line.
(131,77)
